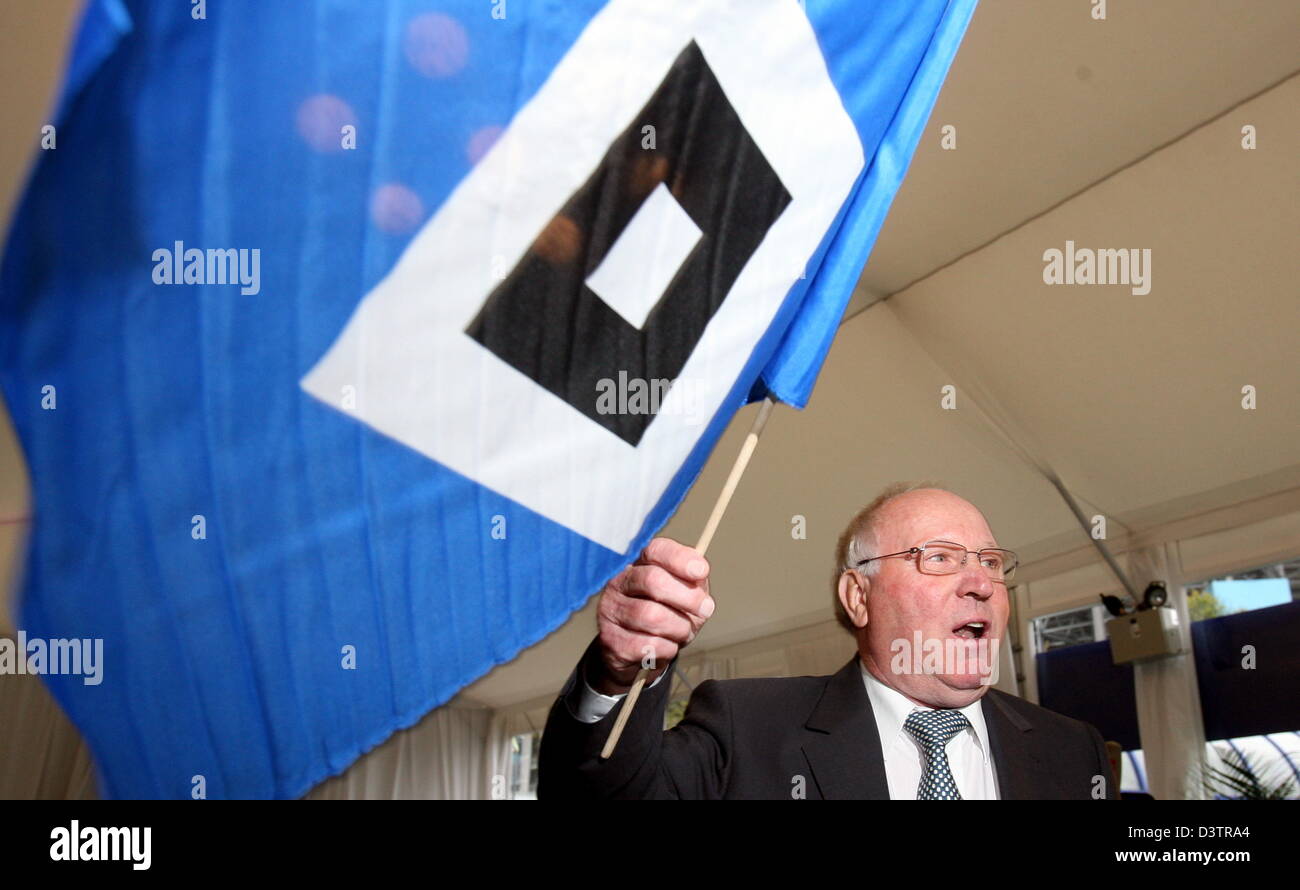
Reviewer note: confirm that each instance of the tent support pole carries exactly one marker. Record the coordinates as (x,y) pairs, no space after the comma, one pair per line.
(1099,545)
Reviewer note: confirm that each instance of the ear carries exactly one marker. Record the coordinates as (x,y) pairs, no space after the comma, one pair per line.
(853,590)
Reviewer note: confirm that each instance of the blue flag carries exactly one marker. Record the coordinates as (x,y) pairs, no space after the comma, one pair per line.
(353,346)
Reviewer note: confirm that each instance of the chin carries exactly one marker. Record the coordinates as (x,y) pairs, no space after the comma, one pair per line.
(962,691)
(965,686)
(946,693)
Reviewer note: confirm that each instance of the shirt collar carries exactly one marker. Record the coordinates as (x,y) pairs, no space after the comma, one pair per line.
(891,709)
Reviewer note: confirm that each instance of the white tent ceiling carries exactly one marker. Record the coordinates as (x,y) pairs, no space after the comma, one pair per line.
(1121,133)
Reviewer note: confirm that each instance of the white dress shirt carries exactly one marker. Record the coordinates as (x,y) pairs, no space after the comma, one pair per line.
(969,755)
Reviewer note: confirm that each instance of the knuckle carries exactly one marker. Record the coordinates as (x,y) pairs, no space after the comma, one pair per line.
(607,607)
(668,552)
(618,611)
(638,614)
(654,551)
(658,583)
(660,621)
(613,640)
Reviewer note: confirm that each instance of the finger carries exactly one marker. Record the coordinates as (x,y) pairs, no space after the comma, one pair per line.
(685,562)
(656,583)
(654,619)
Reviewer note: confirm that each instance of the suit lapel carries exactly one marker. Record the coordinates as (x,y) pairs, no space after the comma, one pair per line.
(842,745)
(1019,769)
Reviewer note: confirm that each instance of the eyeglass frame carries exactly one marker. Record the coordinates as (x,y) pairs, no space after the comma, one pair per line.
(1006,574)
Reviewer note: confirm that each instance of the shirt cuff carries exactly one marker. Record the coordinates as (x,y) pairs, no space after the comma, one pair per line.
(589,706)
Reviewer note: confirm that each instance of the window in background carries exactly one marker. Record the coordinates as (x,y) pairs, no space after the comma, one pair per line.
(1258,588)
(1238,769)
(1271,585)
(1069,628)
(521,783)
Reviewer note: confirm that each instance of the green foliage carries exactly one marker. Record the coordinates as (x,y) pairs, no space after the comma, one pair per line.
(1238,780)
(1202,604)
(675,711)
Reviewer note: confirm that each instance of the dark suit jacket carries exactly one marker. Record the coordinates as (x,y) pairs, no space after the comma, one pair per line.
(752,739)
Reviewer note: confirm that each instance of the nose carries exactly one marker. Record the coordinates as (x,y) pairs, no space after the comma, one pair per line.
(975,581)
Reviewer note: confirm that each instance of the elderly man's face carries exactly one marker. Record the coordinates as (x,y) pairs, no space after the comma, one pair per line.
(901,600)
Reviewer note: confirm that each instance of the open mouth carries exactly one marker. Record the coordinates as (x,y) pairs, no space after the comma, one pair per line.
(971,630)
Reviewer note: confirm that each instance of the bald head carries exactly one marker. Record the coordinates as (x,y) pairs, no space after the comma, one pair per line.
(892,600)
(876,528)
(923,511)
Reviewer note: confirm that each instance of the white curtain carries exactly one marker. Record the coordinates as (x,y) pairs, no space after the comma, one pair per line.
(440,758)
(444,756)
(817,658)
(496,758)
(1168,702)
(691,672)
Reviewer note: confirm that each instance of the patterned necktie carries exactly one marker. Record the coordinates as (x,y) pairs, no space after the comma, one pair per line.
(933,729)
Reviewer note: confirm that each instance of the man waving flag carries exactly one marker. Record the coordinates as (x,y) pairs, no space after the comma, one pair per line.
(353,347)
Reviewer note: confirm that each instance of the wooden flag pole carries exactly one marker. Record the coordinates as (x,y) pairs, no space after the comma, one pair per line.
(710,527)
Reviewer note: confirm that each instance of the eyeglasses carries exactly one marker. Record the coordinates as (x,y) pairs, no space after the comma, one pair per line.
(946,558)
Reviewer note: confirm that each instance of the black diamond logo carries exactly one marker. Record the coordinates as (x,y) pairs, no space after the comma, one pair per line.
(547,323)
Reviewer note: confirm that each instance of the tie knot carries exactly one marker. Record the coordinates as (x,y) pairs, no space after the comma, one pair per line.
(934,728)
